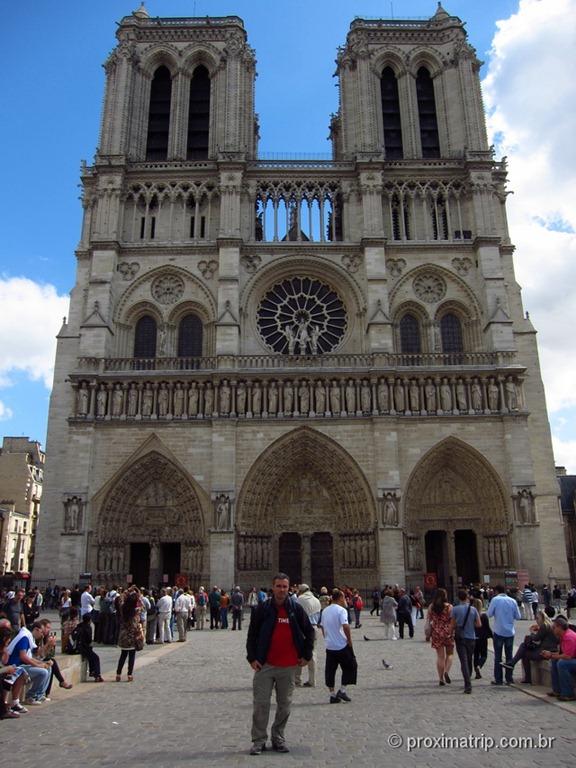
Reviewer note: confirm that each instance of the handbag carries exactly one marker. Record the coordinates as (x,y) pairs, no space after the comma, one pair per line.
(459,628)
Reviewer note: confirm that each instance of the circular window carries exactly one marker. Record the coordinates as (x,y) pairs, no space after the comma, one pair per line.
(303,316)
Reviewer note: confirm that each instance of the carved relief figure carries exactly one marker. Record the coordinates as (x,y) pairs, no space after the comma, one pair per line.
(288,398)
(413,553)
(147,401)
(320,397)
(314,338)
(162,336)
(511,394)
(461,395)
(430,392)
(117,401)
(445,396)
(224,398)
(290,338)
(73,515)
(414,396)
(132,401)
(476,392)
(178,401)
(193,400)
(256,399)
(335,398)
(82,400)
(223,510)
(163,401)
(493,395)
(525,506)
(101,402)
(389,510)
(365,397)
(272,398)
(350,396)
(399,396)
(304,393)
(383,396)
(208,400)
(303,337)
(241,399)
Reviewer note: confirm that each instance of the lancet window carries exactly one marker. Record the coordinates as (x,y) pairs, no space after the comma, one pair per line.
(198,115)
(391,115)
(451,333)
(190,334)
(427,114)
(159,115)
(410,343)
(303,212)
(145,337)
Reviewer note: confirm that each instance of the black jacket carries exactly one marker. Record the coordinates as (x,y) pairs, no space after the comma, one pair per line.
(262,623)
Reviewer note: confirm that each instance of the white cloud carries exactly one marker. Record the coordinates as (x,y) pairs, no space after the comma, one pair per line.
(530,93)
(5,412)
(31,317)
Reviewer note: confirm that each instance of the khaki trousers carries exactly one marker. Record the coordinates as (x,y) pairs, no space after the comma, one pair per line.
(181,622)
(311,667)
(265,680)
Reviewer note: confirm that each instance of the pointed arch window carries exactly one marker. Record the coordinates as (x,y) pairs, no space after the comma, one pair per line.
(145,337)
(427,114)
(391,115)
(159,115)
(451,333)
(198,115)
(410,343)
(190,332)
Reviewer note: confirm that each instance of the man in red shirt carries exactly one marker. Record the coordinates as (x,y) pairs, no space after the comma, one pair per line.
(280,639)
(564,662)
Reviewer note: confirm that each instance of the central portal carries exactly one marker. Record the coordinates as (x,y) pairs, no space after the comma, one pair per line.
(290,556)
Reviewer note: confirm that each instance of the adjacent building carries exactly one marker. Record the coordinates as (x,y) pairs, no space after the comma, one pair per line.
(322,367)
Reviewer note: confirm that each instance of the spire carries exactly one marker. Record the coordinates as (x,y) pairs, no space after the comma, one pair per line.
(440,13)
(141,13)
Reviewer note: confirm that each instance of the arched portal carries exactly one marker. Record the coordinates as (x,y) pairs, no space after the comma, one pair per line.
(306,506)
(150,525)
(457,524)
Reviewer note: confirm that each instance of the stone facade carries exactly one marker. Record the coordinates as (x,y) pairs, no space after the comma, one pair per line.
(318,366)
(21,478)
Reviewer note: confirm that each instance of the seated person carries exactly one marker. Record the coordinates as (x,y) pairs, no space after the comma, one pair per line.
(46,651)
(541,638)
(69,624)
(21,654)
(563,661)
(86,650)
(7,673)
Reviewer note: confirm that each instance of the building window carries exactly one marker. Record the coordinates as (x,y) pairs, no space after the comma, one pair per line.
(145,337)
(190,333)
(198,115)
(410,335)
(391,115)
(159,115)
(427,114)
(451,333)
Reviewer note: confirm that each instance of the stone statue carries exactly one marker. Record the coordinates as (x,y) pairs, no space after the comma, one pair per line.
(101,402)
(303,337)
(117,401)
(272,398)
(414,393)
(350,397)
(163,401)
(288,398)
(383,397)
(193,400)
(290,338)
(241,399)
(445,396)
(413,553)
(208,400)
(224,398)
(399,396)
(335,398)
(525,504)
(461,395)
(178,401)
(162,335)
(82,400)
(476,391)
(389,511)
(304,394)
(223,509)
(73,516)
(493,395)
(320,398)
(511,394)
(430,392)
(256,399)
(147,401)
(132,401)
(365,397)
(314,338)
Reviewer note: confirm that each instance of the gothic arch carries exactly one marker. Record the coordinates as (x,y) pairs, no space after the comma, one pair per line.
(390,57)
(304,452)
(422,56)
(157,55)
(454,482)
(204,54)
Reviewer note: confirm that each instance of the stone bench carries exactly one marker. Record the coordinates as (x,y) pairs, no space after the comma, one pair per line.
(541,672)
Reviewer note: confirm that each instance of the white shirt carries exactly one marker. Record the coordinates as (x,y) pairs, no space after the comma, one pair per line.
(86,603)
(183,603)
(164,605)
(333,618)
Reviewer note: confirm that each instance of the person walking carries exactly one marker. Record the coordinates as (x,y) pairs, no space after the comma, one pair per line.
(441,634)
(280,638)
(375,602)
(237,603)
(404,614)
(339,649)
(130,635)
(357,605)
(505,611)
(201,607)
(483,634)
(465,621)
(312,607)
(388,615)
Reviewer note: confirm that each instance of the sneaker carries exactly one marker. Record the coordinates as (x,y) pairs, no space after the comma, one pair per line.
(19,709)
(277,747)
(308,685)
(335,700)
(343,696)
(566,698)
(32,702)
(478,675)
(257,749)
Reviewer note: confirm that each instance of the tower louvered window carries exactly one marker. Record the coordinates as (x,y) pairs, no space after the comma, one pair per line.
(427,114)
(159,115)
(198,115)
(391,115)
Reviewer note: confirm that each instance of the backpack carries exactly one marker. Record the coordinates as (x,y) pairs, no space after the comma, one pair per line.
(201,599)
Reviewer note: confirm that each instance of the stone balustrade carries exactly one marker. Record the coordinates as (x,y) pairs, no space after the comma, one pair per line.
(336,396)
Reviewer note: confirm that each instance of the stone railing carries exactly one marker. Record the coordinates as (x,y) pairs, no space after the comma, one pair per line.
(338,395)
(371,361)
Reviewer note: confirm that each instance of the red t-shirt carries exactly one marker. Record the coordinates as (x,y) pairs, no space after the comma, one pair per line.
(282,651)
(568,644)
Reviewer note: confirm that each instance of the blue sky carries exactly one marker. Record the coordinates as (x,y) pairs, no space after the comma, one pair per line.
(50,116)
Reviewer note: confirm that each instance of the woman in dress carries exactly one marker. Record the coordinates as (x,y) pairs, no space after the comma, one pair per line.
(442,634)
(130,636)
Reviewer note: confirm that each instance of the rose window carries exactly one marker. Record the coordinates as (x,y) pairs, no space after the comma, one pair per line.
(429,287)
(302,316)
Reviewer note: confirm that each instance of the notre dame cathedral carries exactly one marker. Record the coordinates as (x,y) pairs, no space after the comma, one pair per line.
(321,367)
